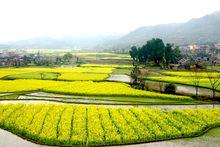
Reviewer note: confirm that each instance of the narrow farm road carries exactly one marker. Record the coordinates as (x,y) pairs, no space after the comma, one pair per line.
(7,139)
(209,139)
(109,105)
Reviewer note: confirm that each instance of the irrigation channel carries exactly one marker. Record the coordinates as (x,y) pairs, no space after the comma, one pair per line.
(88,99)
(5,94)
(181,89)
(120,78)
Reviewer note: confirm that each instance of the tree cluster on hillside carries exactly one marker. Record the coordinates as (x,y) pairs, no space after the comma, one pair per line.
(155,50)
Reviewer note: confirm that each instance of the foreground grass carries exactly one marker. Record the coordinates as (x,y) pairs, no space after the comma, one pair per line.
(85,88)
(59,124)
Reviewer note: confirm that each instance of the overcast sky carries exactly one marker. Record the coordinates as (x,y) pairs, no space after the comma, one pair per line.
(21,19)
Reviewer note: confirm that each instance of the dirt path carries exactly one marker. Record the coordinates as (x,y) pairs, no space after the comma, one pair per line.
(210,139)
(54,95)
(7,139)
(170,107)
(70,100)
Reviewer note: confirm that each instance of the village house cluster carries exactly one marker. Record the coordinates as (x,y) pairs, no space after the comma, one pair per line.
(17,58)
(209,53)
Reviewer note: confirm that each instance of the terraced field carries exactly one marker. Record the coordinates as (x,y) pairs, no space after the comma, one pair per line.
(60,124)
(190,74)
(185,78)
(66,74)
(86,88)
(107,65)
(33,115)
(204,82)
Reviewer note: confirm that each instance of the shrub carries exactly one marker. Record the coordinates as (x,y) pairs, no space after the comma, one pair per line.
(170,88)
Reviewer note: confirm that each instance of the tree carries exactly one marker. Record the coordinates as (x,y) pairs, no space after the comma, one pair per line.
(196,78)
(134,53)
(170,88)
(67,57)
(134,75)
(138,82)
(42,76)
(155,50)
(214,80)
(58,60)
(57,74)
(160,86)
(172,54)
(26,60)
(176,55)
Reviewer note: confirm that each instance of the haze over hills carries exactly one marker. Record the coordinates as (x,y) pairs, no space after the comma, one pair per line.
(66,42)
(196,31)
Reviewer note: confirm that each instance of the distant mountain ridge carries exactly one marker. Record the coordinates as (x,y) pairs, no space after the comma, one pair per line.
(196,31)
(67,42)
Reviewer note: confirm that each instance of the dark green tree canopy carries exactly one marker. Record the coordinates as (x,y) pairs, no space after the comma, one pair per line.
(67,56)
(155,50)
(134,53)
(172,54)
